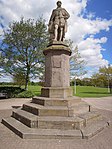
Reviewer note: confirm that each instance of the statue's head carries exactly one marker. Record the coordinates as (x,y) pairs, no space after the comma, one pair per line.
(59,3)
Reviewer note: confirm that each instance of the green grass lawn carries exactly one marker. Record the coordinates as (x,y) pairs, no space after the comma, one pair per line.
(35,89)
(90,91)
(82,91)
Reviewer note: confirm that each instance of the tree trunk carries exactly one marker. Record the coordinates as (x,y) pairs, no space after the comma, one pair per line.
(110,86)
(27,79)
(26,84)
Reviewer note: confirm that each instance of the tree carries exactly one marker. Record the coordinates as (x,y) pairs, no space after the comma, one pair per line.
(76,65)
(99,80)
(0,64)
(22,48)
(19,79)
(103,78)
(76,62)
(107,72)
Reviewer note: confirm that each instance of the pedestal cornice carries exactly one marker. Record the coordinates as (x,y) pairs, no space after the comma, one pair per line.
(57,46)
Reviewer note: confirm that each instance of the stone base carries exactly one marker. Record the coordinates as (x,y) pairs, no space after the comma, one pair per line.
(55,118)
(56,92)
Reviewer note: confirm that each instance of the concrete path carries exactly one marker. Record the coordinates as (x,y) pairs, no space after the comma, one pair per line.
(9,140)
(12,102)
(104,103)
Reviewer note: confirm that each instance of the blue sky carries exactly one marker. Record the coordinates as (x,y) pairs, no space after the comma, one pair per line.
(89,26)
(103,9)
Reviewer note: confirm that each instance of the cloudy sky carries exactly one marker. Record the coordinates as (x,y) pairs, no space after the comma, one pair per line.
(89,27)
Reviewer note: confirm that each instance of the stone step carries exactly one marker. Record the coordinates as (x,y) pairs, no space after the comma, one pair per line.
(90,117)
(46,110)
(25,117)
(31,133)
(48,122)
(76,122)
(53,122)
(55,101)
(40,110)
(79,108)
(94,128)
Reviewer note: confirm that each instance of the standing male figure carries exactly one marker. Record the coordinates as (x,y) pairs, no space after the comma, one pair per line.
(58,23)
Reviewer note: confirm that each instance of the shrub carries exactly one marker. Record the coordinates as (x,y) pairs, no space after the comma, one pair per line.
(11,91)
(25,94)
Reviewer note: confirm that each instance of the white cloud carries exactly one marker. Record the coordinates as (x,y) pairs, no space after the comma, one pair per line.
(80,27)
(83,25)
(90,50)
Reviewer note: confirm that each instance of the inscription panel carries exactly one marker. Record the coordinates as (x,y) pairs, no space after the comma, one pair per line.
(56,61)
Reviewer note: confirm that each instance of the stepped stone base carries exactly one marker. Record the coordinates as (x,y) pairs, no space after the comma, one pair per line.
(56,92)
(55,118)
(32,133)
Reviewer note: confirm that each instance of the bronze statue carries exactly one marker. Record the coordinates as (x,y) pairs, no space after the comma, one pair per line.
(58,23)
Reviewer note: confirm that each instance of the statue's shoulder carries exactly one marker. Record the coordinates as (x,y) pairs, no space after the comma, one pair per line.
(54,10)
(58,9)
(63,9)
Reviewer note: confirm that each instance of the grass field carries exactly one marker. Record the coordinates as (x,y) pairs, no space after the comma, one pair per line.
(35,89)
(81,91)
(90,91)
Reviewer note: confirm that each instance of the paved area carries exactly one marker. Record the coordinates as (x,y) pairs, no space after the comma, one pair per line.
(104,103)
(8,140)
(12,102)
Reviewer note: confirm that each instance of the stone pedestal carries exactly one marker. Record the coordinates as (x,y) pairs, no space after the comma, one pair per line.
(56,114)
(57,78)
(56,92)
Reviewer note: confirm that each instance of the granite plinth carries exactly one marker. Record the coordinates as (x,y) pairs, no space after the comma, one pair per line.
(57,66)
(56,92)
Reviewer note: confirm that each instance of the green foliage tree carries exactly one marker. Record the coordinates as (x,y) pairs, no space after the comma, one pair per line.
(0,64)
(107,72)
(103,78)
(19,79)
(22,48)
(99,80)
(76,64)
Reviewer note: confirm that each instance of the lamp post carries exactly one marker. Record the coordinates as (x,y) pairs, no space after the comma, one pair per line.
(108,79)
(75,85)
(108,86)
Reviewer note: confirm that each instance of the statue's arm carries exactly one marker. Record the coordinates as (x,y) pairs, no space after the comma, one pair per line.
(51,18)
(66,14)
(50,24)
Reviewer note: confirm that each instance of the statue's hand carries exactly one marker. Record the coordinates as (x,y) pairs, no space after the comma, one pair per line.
(50,26)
